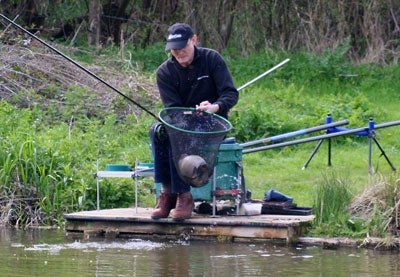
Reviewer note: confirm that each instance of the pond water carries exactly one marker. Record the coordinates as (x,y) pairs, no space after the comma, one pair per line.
(51,253)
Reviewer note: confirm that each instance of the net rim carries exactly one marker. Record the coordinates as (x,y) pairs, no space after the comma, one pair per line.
(195,132)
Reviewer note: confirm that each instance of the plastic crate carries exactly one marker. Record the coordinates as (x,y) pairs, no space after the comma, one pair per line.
(228,173)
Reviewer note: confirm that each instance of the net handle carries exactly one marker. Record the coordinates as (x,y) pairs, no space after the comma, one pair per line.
(190,110)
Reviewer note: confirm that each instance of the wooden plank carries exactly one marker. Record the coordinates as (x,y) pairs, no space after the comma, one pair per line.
(137,222)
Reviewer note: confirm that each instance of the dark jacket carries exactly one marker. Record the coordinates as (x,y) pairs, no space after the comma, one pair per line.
(206,78)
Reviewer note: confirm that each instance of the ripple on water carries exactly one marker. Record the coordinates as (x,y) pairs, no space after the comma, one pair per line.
(134,244)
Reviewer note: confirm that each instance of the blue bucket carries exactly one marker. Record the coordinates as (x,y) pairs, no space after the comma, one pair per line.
(118,167)
(276,196)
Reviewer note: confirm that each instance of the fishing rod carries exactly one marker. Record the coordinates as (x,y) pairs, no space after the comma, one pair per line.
(282,144)
(264,74)
(109,85)
(78,65)
(295,133)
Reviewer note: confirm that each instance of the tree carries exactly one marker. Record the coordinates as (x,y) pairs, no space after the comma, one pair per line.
(94,23)
(213,28)
(116,14)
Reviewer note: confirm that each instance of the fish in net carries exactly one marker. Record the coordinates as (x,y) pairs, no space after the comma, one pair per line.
(195,137)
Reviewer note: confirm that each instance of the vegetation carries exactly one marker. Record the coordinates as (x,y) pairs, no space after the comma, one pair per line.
(59,125)
(52,140)
(371,26)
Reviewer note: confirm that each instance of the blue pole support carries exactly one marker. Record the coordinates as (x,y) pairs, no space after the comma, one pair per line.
(371,135)
(294,133)
(299,141)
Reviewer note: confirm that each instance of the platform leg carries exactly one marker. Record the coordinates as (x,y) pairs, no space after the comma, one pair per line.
(136,186)
(214,205)
(98,194)
(98,187)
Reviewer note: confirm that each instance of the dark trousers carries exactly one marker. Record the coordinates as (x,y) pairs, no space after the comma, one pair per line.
(164,167)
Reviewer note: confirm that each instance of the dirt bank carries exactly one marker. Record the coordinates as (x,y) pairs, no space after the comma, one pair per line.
(335,243)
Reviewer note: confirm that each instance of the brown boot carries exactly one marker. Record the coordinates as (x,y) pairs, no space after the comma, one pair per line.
(166,202)
(184,206)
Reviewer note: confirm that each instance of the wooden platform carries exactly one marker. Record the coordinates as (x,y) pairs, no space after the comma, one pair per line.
(136,222)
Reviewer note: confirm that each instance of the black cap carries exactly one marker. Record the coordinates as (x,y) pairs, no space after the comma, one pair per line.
(178,35)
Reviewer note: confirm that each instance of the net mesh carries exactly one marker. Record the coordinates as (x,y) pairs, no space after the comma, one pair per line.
(195,137)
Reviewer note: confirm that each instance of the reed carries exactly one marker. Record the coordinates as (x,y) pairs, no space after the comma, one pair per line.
(332,197)
(378,206)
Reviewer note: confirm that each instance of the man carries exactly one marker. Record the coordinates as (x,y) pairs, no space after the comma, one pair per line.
(192,77)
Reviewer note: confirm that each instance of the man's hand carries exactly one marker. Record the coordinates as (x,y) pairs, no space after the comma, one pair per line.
(207,106)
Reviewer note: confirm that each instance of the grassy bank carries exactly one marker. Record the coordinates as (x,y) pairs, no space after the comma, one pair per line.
(53,138)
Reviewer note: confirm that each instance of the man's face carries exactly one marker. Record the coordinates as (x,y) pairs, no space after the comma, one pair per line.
(185,55)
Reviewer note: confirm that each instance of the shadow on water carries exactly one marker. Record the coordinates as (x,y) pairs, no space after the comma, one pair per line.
(51,253)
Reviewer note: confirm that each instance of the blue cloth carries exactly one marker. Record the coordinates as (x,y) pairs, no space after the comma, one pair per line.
(164,167)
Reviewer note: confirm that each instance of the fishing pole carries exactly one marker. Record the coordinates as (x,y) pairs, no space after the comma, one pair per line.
(78,65)
(109,85)
(264,74)
(295,133)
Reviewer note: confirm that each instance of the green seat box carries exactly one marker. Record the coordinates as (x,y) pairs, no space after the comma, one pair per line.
(228,172)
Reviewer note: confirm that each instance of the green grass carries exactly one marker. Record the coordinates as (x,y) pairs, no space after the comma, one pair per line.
(298,96)
(52,150)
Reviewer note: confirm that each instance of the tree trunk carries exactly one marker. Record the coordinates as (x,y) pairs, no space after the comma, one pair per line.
(225,20)
(214,28)
(116,26)
(94,23)
(31,16)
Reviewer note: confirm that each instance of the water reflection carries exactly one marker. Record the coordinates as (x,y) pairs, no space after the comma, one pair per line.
(50,253)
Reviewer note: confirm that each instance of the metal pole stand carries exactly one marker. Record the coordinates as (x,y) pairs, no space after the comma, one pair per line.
(328,120)
(372,137)
(214,197)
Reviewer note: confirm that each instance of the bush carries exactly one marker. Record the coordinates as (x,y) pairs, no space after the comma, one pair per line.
(49,169)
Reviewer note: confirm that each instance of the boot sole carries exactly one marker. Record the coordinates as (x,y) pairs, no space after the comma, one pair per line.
(180,218)
(159,216)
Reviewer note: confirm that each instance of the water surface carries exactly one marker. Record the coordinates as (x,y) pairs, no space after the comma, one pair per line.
(51,253)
